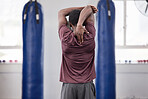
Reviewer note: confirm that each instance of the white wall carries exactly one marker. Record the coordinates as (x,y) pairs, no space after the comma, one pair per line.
(10,80)
(52,62)
(132,81)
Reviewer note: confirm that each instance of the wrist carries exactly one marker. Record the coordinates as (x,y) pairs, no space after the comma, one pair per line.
(80,8)
(78,25)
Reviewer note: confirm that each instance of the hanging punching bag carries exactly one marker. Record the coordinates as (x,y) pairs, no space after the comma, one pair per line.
(32,84)
(105,62)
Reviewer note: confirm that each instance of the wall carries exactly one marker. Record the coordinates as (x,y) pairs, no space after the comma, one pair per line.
(10,80)
(131,81)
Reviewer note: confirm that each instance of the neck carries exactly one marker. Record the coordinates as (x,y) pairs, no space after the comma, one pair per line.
(74,28)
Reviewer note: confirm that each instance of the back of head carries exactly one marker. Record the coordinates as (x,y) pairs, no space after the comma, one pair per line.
(74,17)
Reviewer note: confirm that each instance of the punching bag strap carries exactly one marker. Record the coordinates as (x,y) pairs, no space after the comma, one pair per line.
(25,14)
(109,12)
(36,12)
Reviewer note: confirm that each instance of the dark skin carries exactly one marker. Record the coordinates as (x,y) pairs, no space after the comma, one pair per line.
(86,15)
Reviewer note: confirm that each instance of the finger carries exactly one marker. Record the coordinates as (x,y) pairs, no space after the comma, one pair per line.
(86,31)
(94,8)
(95,11)
(82,38)
(78,37)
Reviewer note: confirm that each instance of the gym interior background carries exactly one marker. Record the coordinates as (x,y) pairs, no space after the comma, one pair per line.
(130,39)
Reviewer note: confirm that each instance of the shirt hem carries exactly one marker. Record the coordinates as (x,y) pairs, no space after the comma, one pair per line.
(78,82)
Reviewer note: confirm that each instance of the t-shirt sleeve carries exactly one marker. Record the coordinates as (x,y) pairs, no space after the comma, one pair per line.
(65,34)
(91,29)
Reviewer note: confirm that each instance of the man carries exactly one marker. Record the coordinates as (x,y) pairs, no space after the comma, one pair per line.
(78,52)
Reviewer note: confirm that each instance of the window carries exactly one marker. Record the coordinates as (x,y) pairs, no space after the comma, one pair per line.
(11,29)
(137,31)
(119,29)
(131,25)
(131,32)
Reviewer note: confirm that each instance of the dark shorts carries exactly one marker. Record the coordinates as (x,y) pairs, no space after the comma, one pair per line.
(78,91)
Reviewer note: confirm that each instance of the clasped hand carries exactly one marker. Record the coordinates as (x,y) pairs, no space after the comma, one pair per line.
(80,30)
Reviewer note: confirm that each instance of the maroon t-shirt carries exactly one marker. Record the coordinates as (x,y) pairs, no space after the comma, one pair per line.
(77,59)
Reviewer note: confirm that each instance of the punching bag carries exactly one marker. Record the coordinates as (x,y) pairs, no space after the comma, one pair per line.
(32,84)
(105,62)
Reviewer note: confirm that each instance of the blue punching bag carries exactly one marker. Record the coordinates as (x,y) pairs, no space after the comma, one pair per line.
(105,62)
(32,84)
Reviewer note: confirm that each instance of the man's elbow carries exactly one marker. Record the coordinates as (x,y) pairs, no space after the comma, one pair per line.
(60,12)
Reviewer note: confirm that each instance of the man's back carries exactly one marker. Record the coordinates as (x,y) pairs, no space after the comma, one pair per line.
(77,59)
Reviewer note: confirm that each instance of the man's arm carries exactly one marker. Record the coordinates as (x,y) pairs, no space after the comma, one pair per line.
(65,12)
(86,15)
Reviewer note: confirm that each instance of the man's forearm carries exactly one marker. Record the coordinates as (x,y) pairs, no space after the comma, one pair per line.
(66,11)
(84,14)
